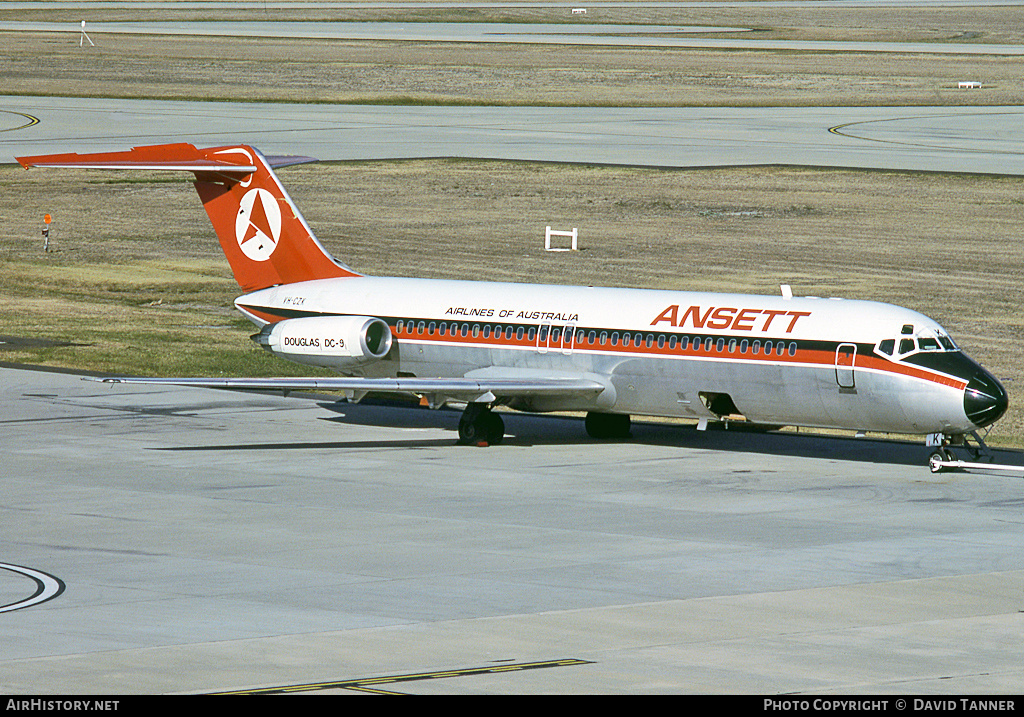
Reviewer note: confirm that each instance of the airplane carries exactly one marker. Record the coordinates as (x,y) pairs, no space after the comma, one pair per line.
(609,352)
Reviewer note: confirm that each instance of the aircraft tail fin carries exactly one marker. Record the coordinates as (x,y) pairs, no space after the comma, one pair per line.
(264,236)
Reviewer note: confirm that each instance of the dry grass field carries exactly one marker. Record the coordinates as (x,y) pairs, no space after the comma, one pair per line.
(274,69)
(137,283)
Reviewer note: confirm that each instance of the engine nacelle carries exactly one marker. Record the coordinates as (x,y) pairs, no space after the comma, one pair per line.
(336,342)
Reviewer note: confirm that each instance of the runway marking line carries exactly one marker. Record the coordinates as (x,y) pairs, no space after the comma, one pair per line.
(839,130)
(47,587)
(367,684)
(31,121)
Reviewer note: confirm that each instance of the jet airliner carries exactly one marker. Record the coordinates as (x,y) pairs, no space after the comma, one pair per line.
(608,352)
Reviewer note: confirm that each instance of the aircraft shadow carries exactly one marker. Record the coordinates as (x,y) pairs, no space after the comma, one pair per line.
(525,430)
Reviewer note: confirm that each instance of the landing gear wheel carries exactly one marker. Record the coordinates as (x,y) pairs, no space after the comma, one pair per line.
(479,425)
(607,425)
(470,432)
(941,455)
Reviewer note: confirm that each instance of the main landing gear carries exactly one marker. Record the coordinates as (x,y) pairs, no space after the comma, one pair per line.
(480,425)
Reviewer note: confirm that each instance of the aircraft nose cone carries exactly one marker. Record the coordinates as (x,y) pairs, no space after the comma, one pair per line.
(985,399)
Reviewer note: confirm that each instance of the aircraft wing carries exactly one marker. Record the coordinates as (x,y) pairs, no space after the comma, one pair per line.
(469,389)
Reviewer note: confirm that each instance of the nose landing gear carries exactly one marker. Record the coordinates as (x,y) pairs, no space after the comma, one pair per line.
(943,459)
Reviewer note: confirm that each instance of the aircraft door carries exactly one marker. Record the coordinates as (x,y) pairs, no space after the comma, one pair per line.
(568,338)
(846,359)
(544,337)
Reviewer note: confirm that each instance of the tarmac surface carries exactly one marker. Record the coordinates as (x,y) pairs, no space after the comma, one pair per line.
(951,139)
(192,540)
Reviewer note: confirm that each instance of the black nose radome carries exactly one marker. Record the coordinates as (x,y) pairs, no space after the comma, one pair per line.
(985,399)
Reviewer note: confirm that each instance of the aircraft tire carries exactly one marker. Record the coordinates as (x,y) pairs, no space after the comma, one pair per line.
(470,432)
(485,427)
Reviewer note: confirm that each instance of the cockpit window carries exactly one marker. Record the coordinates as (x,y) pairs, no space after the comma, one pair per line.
(926,339)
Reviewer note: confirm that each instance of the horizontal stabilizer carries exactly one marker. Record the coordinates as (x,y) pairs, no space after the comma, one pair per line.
(168,157)
(266,240)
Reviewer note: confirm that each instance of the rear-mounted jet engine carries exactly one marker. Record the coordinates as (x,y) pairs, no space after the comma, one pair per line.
(342,343)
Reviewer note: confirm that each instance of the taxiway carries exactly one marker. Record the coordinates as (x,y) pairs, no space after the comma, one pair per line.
(213,541)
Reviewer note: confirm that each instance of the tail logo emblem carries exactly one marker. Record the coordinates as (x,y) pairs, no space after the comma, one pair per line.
(258,224)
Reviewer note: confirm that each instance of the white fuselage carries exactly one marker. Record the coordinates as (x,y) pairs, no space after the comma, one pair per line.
(790,361)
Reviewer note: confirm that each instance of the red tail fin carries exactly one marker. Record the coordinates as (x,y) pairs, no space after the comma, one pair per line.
(262,233)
